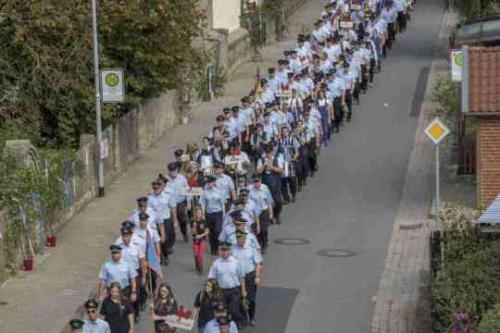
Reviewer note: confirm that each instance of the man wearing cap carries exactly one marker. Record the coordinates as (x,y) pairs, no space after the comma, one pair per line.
(154,222)
(249,206)
(269,128)
(76,325)
(143,233)
(271,166)
(94,324)
(120,271)
(272,82)
(251,263)
(164,205)
(262,197)
(225,184)
(335,89)
(221,325)
(135,256)
(228,234)
(178,183)
(236,160)
(229,275)
(213,202)
(348,81)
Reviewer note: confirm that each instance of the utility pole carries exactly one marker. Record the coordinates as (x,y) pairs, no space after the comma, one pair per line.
(100,172)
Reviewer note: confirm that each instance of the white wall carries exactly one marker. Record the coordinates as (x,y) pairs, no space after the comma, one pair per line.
(226,14)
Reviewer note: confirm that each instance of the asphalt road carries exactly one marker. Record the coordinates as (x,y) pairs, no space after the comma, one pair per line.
(349,207)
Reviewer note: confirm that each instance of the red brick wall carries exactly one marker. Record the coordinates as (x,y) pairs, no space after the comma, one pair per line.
(488,160)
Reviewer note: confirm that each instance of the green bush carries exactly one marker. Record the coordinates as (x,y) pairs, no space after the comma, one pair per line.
(447,94)
(467,280)
(490,322)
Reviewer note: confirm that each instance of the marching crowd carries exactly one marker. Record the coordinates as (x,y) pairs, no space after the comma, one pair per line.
(227,193)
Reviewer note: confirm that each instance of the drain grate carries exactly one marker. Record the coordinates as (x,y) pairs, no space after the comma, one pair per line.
(292,241)
(336,253)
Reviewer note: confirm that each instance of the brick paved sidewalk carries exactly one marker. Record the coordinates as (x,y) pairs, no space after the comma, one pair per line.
(398,303)
(46,299)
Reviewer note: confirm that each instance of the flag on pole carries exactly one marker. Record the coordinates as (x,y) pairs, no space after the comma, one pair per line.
(152,258)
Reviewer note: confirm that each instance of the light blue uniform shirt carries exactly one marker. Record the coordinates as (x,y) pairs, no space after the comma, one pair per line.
(262,197)
(228,272)
(162,204)
(212,200)
(248,257)
(228,235)
(121,272)
(98,326)
(273,83)
(213,327)
(225,185)
(177,184)
(153,219)
(132,252)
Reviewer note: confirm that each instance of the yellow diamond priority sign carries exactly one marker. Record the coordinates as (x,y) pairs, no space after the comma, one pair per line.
(437,131)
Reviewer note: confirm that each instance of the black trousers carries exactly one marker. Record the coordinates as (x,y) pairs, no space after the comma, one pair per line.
(275,189)
(392,33)
(364,78)
(251,294)
(214,222)
(232,298)
(182,217)
(263,237)
(288,183)
(337,110)
(348,102)
(371,71)
(312,157)
(168,226)
(401,21)
(355,94)
(303,166)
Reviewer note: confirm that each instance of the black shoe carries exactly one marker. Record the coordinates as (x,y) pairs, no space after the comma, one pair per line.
(186,238)
(170,251)
(286,202)
(294,198)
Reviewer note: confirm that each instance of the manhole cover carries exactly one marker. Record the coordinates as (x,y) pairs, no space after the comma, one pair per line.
(292,241)
(336,253)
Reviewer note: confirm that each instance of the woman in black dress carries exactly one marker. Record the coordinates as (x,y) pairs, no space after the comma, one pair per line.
(164,305)
(117,311)
(205,301)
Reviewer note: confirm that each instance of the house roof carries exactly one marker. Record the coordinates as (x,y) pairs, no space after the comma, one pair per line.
(484,80)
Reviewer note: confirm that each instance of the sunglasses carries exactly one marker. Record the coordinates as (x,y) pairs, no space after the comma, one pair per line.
(91,311)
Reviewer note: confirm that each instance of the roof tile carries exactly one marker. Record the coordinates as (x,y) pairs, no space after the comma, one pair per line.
(484,80)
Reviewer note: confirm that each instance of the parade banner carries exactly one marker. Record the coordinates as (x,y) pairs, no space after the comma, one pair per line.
(180,322)
(192,191)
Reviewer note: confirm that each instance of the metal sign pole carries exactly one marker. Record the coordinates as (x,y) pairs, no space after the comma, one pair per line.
(438,199)
(100,175)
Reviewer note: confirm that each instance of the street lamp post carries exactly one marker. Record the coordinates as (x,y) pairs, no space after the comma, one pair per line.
(100,174)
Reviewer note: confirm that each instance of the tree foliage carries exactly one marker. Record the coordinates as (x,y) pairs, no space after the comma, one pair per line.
(474,9)
(46,70)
